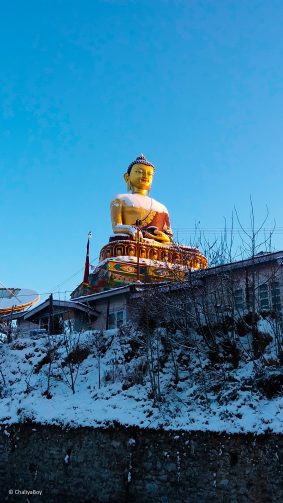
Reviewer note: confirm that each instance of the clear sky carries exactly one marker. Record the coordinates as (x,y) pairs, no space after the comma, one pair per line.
(196,85)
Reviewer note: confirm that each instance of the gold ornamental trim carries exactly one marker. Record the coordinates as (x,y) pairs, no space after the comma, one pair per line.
(171,254)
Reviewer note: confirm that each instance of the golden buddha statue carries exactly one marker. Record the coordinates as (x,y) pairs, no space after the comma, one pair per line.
(137,215)
(142,248)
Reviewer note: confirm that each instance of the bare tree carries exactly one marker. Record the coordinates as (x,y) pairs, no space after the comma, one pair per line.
(147,312)
(75,355)
(253,245)
(99,344)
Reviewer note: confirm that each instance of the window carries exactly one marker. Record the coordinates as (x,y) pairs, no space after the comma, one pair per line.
(111,321)
(115,320)
(250,296)
(269,296)
(263,296)
(239,299)
(120,318)
(275,295)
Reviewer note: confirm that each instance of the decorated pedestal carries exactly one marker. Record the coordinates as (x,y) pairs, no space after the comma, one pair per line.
(164,255)
(124,261)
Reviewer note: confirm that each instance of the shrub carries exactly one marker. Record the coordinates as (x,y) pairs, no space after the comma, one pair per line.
(48,358)
(76,356)
(260,341)
(271,385)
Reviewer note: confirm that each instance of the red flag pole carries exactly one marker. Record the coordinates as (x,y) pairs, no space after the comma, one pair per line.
(86,273)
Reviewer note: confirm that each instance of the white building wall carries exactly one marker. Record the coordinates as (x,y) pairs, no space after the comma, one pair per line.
(116,307)
(228,287)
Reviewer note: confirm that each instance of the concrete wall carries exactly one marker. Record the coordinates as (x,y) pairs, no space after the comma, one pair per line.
(116,303)
(139,466)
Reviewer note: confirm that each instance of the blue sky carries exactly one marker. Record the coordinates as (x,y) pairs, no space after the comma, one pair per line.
(196,85)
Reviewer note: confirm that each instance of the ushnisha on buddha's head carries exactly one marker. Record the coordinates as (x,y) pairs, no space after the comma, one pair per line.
(139,176)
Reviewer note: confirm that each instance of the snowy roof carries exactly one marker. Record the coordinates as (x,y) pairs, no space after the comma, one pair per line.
(64,304)
(120,290)
(261,258)
(106,293)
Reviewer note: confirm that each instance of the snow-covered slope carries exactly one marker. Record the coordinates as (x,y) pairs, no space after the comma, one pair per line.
(195,394)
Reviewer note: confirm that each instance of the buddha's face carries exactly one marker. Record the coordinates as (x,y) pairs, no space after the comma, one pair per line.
(140,177)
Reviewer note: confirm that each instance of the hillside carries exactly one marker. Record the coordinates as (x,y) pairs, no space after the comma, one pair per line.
(191,391)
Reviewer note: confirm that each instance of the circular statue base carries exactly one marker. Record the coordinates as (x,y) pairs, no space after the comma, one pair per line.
(124,261)
(167,254)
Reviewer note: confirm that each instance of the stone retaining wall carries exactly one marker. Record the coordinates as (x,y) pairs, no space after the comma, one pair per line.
(131,465)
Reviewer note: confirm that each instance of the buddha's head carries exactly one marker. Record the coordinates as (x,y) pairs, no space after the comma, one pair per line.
(139,175)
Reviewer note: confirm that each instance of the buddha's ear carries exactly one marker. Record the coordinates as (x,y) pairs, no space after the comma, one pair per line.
(127,180)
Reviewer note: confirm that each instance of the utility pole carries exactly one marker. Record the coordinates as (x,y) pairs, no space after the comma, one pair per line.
(107,314)
(138,223)
(9,334)
(51,316)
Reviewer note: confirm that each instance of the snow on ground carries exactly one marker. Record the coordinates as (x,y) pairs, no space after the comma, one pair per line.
(206,397)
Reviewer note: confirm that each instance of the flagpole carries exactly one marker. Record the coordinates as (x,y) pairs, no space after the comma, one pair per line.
(86,271)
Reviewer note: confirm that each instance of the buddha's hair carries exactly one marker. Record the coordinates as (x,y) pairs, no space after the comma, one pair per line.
(139,160)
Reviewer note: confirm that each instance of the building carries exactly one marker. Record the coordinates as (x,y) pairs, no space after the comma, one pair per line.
(236,288)
(252,283)
(51,317)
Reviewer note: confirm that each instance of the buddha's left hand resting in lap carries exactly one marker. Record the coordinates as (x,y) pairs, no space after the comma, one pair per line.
(135,213)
